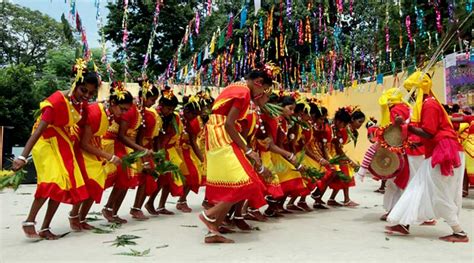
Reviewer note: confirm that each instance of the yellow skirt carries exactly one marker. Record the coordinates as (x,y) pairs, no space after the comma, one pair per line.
(58,173)
(273,188)
(291,181)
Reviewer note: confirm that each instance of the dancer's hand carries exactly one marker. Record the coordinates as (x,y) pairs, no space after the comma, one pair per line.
(323,162)
(256,158)
(399,120)
(18,164)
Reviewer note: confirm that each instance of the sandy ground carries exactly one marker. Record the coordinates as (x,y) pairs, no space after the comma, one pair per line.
(341,234)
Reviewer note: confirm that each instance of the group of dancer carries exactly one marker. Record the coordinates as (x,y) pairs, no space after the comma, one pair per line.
(255,148)
(429,186)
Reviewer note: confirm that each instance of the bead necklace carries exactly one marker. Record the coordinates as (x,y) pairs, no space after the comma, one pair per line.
(141,110)
(259,124)
(110,115)
(72,102)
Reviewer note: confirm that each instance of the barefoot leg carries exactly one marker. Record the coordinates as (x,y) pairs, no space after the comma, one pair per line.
(85,208)
(334,194)
(164,196)
(29,224)
(48,217)
(346,194)
(74,221)
(35,207)
(150,204)
(140,196)
(118,202)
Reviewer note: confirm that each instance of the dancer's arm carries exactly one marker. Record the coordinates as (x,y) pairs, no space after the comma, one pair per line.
(19,163)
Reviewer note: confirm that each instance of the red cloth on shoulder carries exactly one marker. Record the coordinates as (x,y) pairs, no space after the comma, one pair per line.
(435,122)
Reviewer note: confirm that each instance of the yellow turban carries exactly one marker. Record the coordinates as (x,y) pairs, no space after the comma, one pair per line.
(389,98)
(422,84)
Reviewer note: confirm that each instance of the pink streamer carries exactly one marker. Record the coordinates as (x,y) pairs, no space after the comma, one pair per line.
(408,23)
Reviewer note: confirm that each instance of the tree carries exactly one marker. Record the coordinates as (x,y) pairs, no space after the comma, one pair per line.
(26,35)
(172,22)
(18,100)
(56,72)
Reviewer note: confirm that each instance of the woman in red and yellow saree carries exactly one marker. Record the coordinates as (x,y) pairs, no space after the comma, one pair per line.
(168,139)
(304,147)
(322,140)
(290,179)
(146,135)
(120,140)
(237,180)
(342,136)
(90,155)
(192,156)
(59,178)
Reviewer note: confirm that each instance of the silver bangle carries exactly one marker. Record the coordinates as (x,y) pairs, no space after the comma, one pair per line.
(261,169)
(249,151)
(299,167)
(112,159)
(291,156)
(21,157)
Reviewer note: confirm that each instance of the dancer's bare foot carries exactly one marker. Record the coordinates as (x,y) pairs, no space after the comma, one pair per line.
(225,230)
(151,210)
(254,214)
(241,224)
(460,237)
(164,211)
(431,222)
(118,220)
(380,190)
(29,229)
(108,214)
(317,205)
(86,226)
(183,207)
(47,234)
(137,214)
(217,239)
(75,223)
(397,229)
(350,203)
(293,207)
(333,202)
(209,222)
(304,206)
(384,217)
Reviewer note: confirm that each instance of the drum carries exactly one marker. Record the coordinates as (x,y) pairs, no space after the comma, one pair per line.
(386,164)
(393,136)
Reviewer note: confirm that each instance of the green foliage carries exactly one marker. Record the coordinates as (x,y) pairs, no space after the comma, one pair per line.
(18,100)
(56,73)
(125,240)
(27,35)
(135,253)
(12,180)
(172,22)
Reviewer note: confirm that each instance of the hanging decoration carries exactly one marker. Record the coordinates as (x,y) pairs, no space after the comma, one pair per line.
(125,40)
(152,38)
(243,17)
(82,31)
(408,23)
(288,10)
(307,36)
(198,23)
